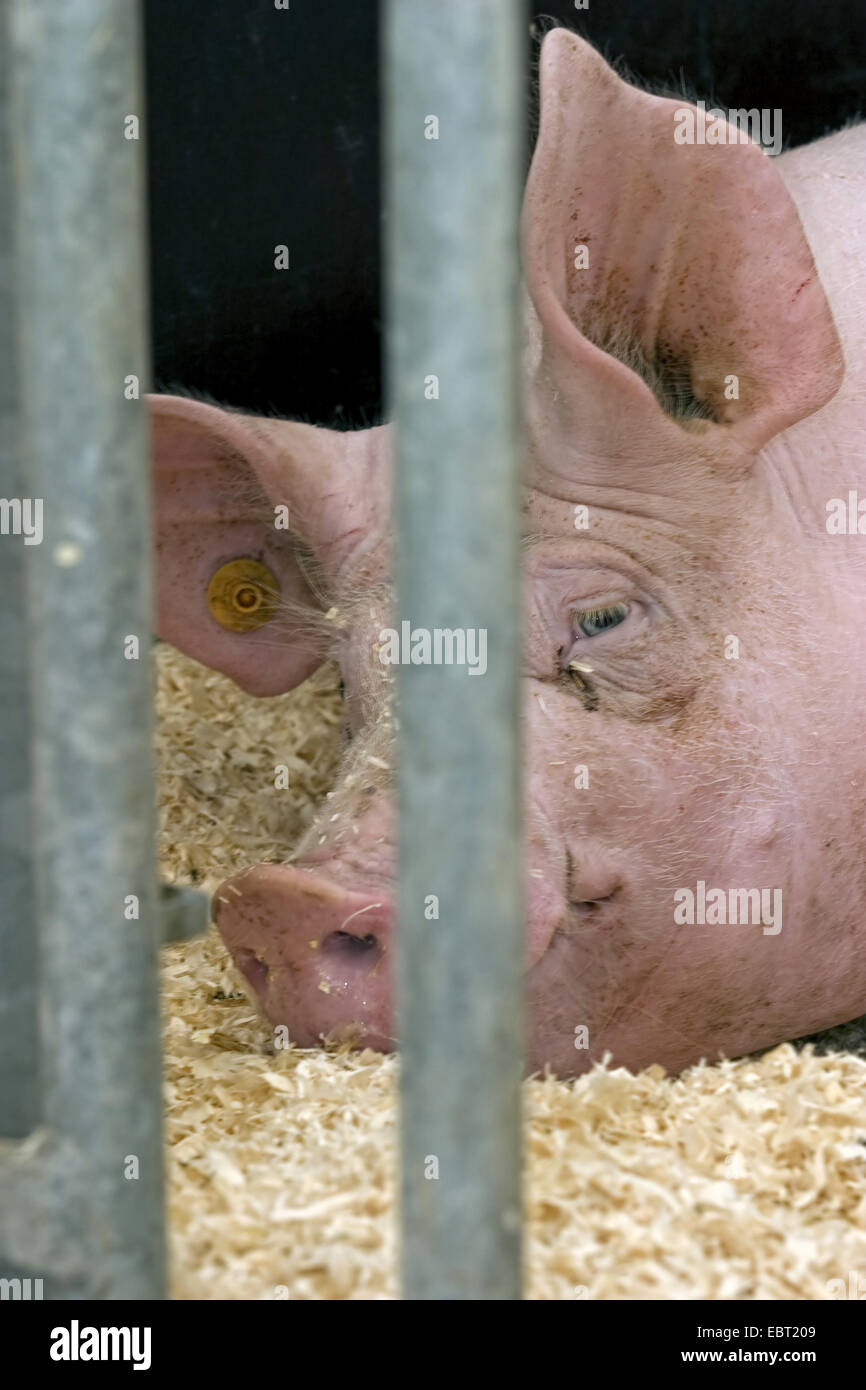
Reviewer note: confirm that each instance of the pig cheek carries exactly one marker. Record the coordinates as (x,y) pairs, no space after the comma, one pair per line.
(609,961)
(600,978)
(615,956)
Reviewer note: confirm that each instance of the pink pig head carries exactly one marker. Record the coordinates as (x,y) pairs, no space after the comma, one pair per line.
(694,799)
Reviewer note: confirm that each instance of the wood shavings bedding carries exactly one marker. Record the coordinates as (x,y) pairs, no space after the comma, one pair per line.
(745,1180)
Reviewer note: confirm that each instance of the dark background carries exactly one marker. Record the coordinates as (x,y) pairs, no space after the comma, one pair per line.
(264,129)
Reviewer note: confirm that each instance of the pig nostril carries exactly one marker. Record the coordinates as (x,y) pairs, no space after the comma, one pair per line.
(255,970)
(345,944)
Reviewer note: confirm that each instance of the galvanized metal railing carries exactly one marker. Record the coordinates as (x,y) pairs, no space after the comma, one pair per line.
(81,1197)
(80,1113)
(454,141)
(19,1033)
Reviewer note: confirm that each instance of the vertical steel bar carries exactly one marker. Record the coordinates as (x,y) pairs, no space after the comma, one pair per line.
(454,142)
(81,280)
(19,1039)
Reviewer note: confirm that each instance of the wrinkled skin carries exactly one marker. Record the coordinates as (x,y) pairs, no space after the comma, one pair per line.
(741,766)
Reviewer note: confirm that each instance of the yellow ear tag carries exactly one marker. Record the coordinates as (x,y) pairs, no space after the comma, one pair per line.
(243,595)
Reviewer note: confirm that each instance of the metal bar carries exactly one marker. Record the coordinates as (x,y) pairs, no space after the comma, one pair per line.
(19,1037)
(454,144)
(86,1195)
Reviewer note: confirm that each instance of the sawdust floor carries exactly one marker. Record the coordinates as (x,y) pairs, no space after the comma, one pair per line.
(744,1180)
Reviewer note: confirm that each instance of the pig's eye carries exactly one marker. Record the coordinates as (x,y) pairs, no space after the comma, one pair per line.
(592,621)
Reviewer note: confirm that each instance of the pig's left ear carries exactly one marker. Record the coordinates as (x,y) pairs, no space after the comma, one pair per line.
(694,307)
(250,516)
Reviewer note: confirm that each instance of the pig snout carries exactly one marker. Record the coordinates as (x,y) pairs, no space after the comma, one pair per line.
(317,955)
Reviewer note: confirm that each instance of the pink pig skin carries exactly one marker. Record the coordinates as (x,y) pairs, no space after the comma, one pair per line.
(721,727)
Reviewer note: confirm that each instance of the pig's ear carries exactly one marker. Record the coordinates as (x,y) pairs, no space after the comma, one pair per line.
(232,582)
(695,307)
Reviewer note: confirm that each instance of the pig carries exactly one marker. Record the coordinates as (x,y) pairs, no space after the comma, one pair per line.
(695,650)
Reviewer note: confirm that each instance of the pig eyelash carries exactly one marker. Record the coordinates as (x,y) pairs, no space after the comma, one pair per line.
(596,618)
(592,623)
(601,617)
